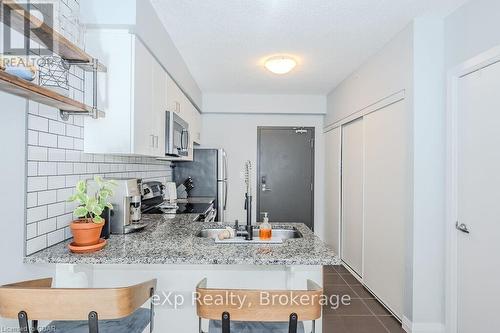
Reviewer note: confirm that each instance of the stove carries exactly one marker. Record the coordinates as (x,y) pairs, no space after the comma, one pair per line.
(205,210)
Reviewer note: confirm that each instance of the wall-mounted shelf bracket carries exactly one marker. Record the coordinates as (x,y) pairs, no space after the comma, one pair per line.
(94,112)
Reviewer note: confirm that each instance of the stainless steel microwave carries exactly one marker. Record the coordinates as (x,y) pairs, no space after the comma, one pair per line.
(177,135)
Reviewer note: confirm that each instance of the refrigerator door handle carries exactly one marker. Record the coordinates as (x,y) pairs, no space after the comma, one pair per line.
(225,195)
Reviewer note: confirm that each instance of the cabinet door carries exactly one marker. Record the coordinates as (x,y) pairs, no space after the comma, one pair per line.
(159,98)
(352,195)
(332,190)
(386,195)
(143,104)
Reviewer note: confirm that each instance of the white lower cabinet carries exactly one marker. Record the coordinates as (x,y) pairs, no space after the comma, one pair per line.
(374,190)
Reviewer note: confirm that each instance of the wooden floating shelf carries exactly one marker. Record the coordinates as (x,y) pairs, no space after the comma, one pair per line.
(45,35)
(20,87)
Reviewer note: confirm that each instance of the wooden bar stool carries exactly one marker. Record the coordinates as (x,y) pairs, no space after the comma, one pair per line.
(277,313)
(75,310)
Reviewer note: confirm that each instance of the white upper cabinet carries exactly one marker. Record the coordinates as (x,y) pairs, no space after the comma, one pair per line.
(135,94)
(132,94)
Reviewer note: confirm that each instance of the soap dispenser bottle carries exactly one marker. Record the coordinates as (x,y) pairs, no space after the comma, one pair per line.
(265,229)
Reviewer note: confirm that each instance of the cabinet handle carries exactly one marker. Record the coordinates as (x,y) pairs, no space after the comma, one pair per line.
(156,141)
(152,143)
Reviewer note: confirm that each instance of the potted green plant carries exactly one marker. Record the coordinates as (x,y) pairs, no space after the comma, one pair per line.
(87,228)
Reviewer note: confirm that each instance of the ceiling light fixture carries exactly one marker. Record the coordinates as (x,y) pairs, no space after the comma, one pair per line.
(280,64)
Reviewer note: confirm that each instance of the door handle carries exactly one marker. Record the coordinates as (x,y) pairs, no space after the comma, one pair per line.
(462,227)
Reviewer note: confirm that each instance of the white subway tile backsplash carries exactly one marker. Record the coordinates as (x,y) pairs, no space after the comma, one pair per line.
(73,156)
(56,182)
(55,237)
(64,220)
(73,131)
(57,127)
(47,197)
(31,231)
(37,153)
(33,108)
(56,209)
(46,226)
(64,193)
(38,123)
(47,168)
(47,140)
(32,169)
(36,184)
(32,199)
(32,137)
(72,180)
(48,112)
(36,214)
(65,142)
(57,155)
(78,144)
(64,168)
(36,244)
(80,168)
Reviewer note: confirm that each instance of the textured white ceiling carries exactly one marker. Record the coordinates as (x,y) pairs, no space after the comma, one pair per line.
(224,41)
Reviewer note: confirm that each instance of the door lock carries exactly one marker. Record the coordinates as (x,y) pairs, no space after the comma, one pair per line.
(264,184)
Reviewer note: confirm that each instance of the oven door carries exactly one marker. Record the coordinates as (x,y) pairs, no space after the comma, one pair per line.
(177,135)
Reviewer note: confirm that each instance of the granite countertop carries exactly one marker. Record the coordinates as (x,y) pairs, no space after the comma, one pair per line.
(174,241)
(207,200)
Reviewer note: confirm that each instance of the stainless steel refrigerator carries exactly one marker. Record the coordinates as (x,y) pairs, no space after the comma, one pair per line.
(209,173)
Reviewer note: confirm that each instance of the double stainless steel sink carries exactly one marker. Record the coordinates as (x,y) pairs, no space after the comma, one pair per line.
(284,234)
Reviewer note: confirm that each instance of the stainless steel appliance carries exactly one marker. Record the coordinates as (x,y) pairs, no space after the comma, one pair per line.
(208,171)
(126,201)
(177,135)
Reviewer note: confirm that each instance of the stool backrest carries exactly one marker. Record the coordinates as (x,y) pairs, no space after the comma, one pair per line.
(258,305)
(42,302)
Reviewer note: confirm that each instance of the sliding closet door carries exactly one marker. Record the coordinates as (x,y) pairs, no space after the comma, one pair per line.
(333,145)
(352,195)
(386,203)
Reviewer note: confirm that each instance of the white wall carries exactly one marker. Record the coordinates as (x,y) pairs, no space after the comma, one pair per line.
(386,73)
(472,29)
(264,104)
(12,196)
(237,134)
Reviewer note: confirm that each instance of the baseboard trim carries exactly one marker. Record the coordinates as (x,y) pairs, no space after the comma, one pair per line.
(410,327)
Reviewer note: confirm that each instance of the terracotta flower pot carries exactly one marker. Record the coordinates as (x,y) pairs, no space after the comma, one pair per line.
(85,232)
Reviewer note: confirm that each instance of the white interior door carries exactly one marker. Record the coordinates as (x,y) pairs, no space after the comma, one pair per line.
(333,145)
(478,186)
(386,192)
(352,195)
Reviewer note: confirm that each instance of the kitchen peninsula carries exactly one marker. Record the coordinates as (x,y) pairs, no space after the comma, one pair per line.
(171,250)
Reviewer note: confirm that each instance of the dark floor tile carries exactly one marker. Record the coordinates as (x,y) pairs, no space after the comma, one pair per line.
(391,324)
(341,270)
(377,308)
(333,279)
(353,324)
(339,290)
(353,307)
(350,279)
(361,292)
(329,269)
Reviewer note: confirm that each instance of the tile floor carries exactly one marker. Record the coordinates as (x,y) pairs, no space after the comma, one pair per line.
(362,314)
